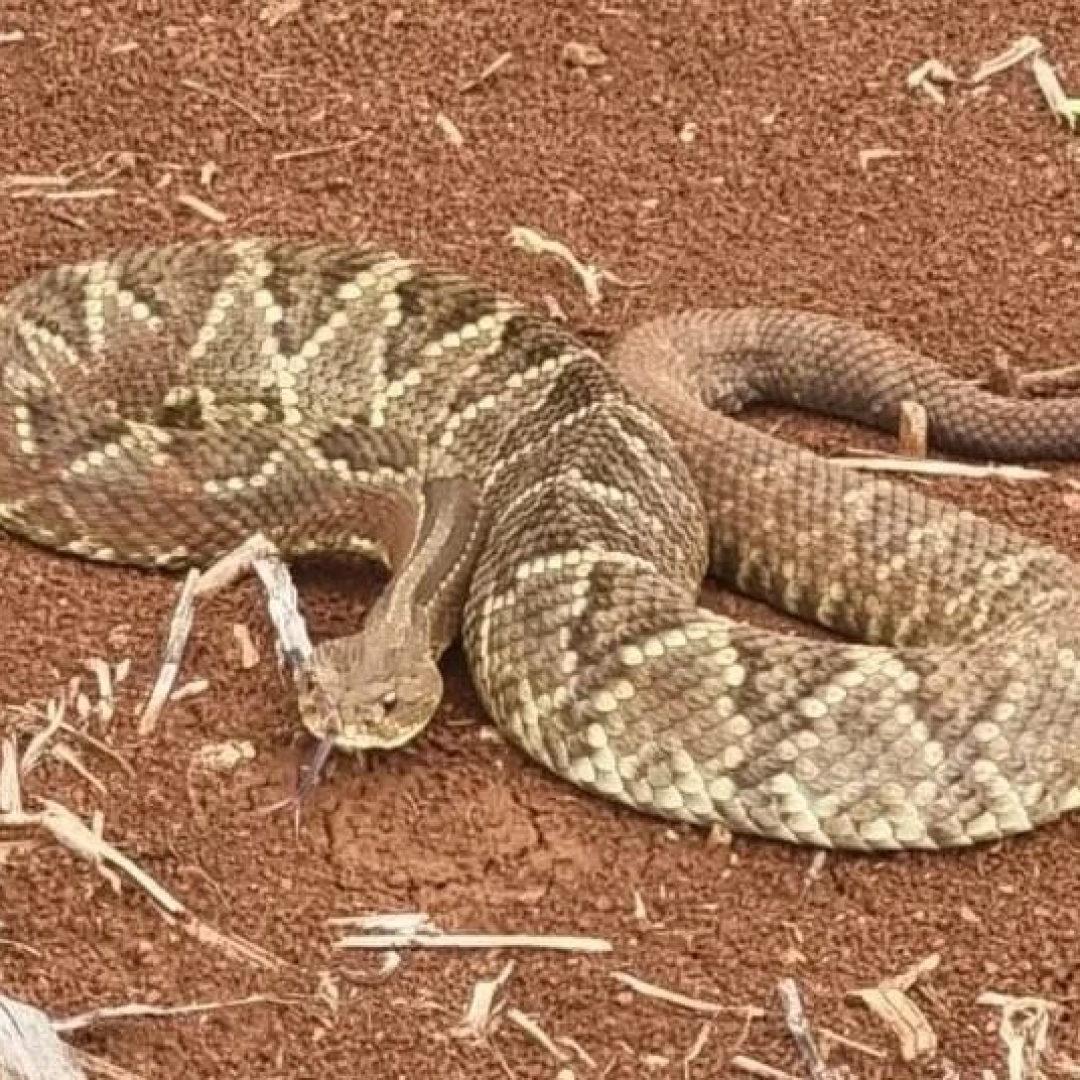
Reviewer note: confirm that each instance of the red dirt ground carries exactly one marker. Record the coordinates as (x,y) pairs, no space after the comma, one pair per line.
(964,243)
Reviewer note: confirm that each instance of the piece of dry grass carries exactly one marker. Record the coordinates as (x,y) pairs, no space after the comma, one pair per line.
(233,946)
(87,843)
(486,1005)
(591,276)
(1014,54)
(1024,1029)
(30,1048)
(172,654)
(539,1036)
(415,929)
(858,459)
(138,1010)
(670,997)
(1046,78)
(430,940)
(929,77)
(304,152)
(802,1034)
(35,180)
(893,1005)
(758,1068)
(225,98)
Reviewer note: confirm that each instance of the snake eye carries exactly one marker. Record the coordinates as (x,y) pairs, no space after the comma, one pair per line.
(389,700)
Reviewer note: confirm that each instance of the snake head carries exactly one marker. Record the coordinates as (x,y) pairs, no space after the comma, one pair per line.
(367,693)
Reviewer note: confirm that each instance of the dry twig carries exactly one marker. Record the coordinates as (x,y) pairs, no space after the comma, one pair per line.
(672,997)
(490,71)
(438,940)
(225,98)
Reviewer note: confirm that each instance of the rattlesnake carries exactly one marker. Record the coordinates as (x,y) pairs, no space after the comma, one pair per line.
(560,509)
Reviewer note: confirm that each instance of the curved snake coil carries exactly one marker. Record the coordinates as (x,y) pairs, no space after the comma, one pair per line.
(159,406)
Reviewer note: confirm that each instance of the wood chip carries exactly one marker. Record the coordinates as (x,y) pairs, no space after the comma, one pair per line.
(695,1049)
(249,654)
(578,54)
(912,974)
(202,208)
(276,12)
(12,37)
(688,133)
(189,690)
(914,430)
(485,1006)
(878,153)
(904,1018)
(450,130)
(224,757)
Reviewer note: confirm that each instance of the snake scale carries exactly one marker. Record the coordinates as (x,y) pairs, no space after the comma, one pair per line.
(559,510)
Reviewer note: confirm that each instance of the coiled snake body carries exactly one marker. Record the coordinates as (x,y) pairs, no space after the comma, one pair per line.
(159,406)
